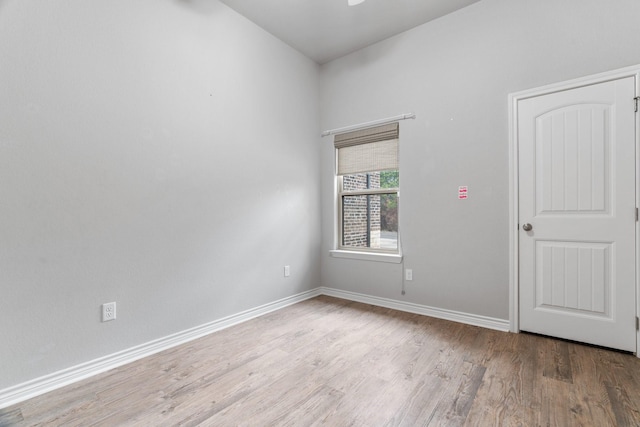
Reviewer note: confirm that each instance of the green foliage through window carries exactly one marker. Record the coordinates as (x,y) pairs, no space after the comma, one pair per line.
(390,179)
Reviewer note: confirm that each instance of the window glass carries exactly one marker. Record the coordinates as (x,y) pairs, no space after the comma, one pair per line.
(370,221)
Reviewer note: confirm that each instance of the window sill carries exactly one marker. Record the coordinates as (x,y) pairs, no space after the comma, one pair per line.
(367,256)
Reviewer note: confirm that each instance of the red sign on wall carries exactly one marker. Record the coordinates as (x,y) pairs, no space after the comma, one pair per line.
(463,192)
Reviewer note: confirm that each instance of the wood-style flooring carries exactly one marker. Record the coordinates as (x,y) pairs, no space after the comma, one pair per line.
(332,362)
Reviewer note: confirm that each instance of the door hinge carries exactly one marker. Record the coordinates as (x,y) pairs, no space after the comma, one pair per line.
(636,214)
(637,100)
(637,323)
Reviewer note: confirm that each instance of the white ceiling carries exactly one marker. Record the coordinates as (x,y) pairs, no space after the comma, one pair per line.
(327,29)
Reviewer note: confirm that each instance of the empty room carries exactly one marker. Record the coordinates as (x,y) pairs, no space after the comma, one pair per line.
(319,212)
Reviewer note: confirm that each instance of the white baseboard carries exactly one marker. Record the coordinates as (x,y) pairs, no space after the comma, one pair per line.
(455,316)
(47,383)
(38,386)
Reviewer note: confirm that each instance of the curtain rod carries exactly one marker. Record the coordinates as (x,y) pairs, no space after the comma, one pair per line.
(369,124)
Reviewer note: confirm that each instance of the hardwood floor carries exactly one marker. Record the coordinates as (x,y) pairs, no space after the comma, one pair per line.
(332,362)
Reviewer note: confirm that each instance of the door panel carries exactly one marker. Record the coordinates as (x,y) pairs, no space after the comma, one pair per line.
(574,277)
(576,160)
(573,160)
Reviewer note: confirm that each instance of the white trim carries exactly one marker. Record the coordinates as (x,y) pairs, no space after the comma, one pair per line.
(440,313)
(514,98)
(514,316)
(372,123)
(367,256)
(576,83)
(38,386)
(637,204)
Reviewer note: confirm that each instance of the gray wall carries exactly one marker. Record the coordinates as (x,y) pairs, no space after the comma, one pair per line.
(455,73)
(160,154)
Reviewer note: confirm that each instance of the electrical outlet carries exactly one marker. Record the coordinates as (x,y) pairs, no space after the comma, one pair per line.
(108,311)
(287,271)
(408,274)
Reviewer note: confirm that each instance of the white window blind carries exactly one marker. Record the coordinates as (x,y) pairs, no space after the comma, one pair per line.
(368,150)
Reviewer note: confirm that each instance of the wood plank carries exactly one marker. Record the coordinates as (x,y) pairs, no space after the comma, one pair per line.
(555,410)
(557,363)
(8,418)
(623,406)
(310,410)
(383,397)
(589,400)
(454,411)
(422,402)
(212,394)
(504,394)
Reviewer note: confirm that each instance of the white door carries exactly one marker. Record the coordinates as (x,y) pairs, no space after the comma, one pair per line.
(576,162)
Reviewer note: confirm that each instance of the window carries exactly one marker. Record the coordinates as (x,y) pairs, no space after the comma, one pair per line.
(368,189)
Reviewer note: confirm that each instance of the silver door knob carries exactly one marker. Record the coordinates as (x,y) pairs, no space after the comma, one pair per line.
(527,227)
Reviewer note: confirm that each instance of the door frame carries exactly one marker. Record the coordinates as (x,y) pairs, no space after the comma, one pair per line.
(514,98)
